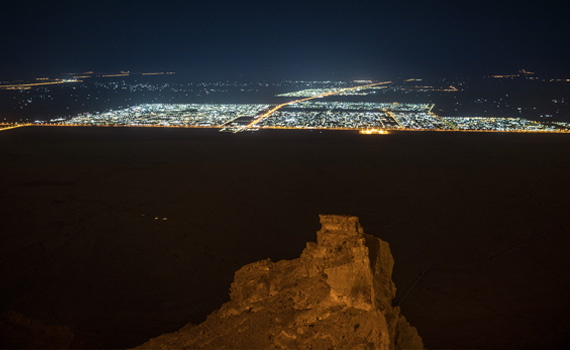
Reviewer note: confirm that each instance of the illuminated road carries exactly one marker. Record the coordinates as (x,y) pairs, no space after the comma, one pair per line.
(451,126)
(336,92)
(3,128)
(368,131)
(390,114)
(27,86)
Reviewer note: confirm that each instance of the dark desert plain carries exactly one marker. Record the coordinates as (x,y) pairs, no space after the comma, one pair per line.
(478,224)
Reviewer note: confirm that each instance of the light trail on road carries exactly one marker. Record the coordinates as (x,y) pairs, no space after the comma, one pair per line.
(330,93)
(27,86)
(13,127)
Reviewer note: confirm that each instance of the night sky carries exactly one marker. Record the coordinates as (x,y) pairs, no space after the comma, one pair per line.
(285,39)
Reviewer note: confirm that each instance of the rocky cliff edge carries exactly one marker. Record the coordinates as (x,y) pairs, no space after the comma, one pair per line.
(337,295)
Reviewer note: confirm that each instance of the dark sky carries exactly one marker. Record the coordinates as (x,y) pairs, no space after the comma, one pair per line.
(285,39)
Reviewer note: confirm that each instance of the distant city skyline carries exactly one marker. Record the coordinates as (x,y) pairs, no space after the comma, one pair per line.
(364,106)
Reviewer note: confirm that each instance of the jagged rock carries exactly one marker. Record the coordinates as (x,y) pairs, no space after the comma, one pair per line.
(337,295)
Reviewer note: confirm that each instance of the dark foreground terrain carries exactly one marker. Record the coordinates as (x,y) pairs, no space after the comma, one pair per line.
(478,225)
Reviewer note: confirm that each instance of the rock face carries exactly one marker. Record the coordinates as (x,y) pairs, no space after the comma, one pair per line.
(337,295)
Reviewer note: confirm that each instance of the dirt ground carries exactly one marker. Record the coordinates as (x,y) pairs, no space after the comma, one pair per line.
(123,234)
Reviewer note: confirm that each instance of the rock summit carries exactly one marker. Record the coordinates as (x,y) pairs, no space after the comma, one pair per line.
(337,295)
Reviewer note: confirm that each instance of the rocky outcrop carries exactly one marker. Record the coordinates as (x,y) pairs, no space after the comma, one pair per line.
(337,295)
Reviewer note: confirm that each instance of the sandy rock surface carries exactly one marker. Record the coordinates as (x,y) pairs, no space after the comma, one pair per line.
(337,295)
